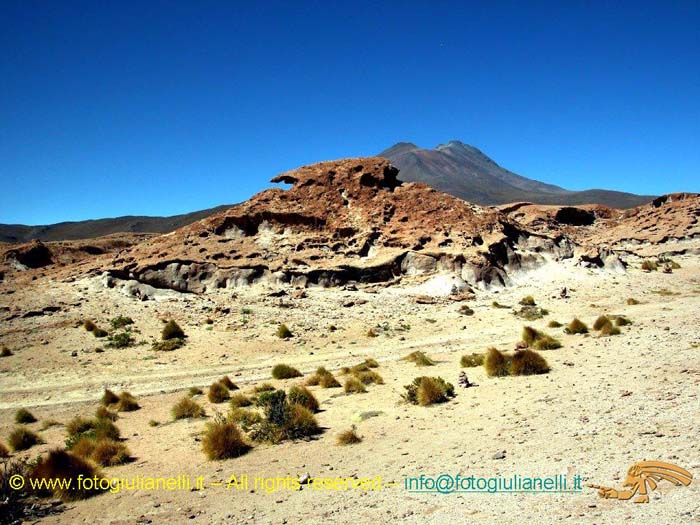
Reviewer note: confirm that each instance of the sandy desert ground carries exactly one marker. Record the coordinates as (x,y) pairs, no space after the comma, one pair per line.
(608,401)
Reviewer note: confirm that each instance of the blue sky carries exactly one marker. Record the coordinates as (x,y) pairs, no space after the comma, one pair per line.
(156,108)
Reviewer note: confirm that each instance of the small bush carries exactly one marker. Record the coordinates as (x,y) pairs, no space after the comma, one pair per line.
(226,381)
(496,364)
(354,386)
(471,360)
(109,398)
(24,416)
(527,362)
(168,345)
(649,266)
(283,371)
(528,300)
(194,391)
(5,352)
(265,387)
(99,332)
(349,437)
(79,425)
(283,332)
(223,440)
(172,330)
(322,378)
(370,377)
(302,423)
(419,358)
(99,428)
(121,321)
(302,396)
(127,403)
(22,438)
(185,408)
(63,465)
(425,391)
(539,340)
(601,321)
(240,400)
(621,320)
(109,453)
(120,340)
(632,301)
(247,419)
(609,329)
(576,326)
(104,413)
(554,324)
(218,393)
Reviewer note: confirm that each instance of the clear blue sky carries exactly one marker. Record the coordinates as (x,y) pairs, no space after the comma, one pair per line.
(112,108)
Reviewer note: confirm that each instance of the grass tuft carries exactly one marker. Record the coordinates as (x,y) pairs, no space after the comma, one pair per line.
(283,332)
(109,398)
(632,301)
(425,391)
(301,395)
(169,345)
(186,408)
(576,326)
(419,358)
(348,437)
(354,386)
(218,393)
(63,465)
(496,364)
(283,371)
(527,362)
(239,400)
(528,300)
(471,360)
(226,381)
(223,440)
(554,324)
(24,416)
(127,403)
(172,330)
(22,438)
(539,340)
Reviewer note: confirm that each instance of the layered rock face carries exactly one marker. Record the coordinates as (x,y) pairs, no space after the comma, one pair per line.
(341,221)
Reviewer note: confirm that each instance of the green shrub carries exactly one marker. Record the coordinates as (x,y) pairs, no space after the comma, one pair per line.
(223,440)
(121,321)
(120,340)
(576,326)
(172,330)
(527,362)
(283,332)
(24,416)
(419,358)
(218,393)
(185,408)
(354,386)
(283,371)
(496,364)
(302,396)
(22,438)
(471,360)
(425,391)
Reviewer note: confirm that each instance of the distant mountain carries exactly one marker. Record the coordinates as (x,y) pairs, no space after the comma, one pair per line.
(465,172)
(68,231)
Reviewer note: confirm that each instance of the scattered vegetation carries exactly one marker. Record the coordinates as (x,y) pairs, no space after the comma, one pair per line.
(425,391)
(539,340)
(186,408)
(323,378)
(61,464)
(301,395)
(24,416)
(349,437)
(283,332)
(172,330)
(168,345)
(471,360)
(419,358)
(22,438)
(576,326)
(283,371)
(120,340)
(121,322)
(218,393)
(97,428)
(283,420)
(354,386)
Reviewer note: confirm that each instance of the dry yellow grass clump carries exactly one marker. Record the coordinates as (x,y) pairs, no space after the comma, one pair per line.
(419,358)
(539,340)
(425,391)
(301,395)
(61,464)
(186,408)
(354,386)
(223,440)
(522,362)
(218,393)
(349,437)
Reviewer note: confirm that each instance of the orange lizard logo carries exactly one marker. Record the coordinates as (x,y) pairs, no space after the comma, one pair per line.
(642,478)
